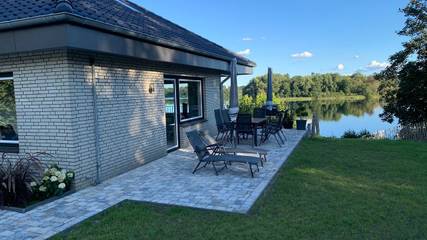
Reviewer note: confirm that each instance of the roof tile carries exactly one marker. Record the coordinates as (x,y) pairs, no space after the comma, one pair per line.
(119,13)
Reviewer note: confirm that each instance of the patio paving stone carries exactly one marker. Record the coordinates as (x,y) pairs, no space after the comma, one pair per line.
(164,181)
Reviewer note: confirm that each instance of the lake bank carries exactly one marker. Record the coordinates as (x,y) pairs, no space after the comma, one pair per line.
(338,116)
(327,98)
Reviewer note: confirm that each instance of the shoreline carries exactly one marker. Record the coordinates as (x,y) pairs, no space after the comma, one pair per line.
(308,99)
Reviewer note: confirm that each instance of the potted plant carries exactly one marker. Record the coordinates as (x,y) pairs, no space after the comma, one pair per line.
(15,176)
(302,121)
(288,123)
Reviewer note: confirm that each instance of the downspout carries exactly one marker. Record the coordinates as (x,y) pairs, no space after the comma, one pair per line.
(221,93)
(95,119)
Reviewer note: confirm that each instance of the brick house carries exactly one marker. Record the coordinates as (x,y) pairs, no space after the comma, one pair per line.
(103,85)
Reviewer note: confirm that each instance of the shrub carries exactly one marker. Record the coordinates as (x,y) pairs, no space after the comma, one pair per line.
(55,182)
(23,181)
(350,134)
(353,134)
(16,176)
(289,120)
(365,134)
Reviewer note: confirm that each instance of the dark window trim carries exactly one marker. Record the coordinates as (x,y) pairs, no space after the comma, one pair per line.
(202,85)
(9,147)
(6,75)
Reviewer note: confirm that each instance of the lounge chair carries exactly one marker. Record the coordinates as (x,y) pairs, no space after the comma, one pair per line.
(223,148)
(210,154)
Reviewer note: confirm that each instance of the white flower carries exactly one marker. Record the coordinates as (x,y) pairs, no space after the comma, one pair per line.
(33,184)
(61,186)
(53,179)
(61,177)
(63,171)
(45,178)
(53,171)
(42,189)
(70,174)
(57,173)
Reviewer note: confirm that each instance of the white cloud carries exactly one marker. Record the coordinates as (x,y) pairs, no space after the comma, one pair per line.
(376,65)
(305,54)
(247,39)
(245,52)
(340,67)
(356,56)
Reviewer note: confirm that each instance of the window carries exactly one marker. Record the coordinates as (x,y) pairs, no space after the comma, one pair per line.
(8,124)
(190,99)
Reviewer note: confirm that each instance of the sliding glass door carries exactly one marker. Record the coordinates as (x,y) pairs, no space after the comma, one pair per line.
(184,104)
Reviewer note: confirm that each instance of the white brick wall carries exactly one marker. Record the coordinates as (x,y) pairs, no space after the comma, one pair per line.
(55,109)
(43,103)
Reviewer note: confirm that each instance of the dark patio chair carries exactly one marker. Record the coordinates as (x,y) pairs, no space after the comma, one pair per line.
(223,148)
(274,128)
(244,127)
(223,129)
(227,119)
(259,113)
(209,154)
(282,126)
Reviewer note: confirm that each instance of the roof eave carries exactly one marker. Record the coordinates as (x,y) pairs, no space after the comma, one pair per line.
(76,19)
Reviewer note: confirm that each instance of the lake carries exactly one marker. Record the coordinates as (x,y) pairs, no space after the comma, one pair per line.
(336,117)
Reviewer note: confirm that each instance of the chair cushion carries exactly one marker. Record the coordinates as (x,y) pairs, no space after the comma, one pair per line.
(245,151)
(232,158)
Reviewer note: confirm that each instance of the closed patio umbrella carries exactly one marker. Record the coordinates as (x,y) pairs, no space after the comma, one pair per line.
(269,103)
(234,95)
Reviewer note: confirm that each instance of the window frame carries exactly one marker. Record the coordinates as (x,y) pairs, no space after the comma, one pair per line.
(202,109)
(178,80)
(10,146)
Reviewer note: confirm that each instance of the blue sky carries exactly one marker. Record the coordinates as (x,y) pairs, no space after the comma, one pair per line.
(295,37)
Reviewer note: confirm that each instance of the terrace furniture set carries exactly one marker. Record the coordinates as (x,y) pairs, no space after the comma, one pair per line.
(216,151)
(257,124)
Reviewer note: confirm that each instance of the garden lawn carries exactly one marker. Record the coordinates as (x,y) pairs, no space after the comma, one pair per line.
(328,189)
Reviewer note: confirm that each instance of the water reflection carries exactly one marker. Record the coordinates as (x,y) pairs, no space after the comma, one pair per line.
(336,117)
(335,110)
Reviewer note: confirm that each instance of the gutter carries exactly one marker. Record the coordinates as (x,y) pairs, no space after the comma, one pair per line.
(76,19)
(95,119)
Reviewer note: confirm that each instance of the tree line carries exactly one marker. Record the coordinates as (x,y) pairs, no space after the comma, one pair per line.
(314,85)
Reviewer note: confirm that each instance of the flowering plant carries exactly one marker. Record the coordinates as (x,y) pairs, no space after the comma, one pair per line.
(56,181)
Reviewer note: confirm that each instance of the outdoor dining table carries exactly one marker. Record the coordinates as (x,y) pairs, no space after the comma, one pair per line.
(256,122)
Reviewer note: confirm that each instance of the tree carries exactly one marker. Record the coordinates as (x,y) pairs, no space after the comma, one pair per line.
(246,104)
(404,82)
(260,99)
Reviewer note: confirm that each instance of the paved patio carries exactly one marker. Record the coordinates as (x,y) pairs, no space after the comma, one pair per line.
(165,181)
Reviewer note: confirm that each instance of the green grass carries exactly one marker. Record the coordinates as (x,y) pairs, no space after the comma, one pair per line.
(329,189)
